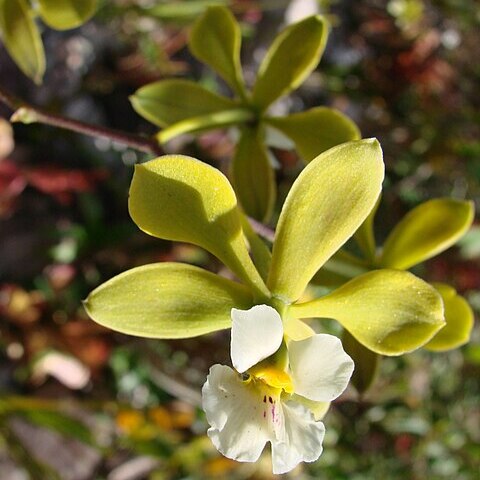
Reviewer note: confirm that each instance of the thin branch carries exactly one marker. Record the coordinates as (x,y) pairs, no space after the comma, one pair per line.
(27,113)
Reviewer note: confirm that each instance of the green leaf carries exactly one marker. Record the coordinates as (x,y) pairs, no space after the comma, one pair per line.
(182,199)
(66,14)
(390,312)
(215,40)
(181,12)
(292,56)
(206,122)
(426,231)
(170,101)
(366,363)
(22,38)
(167,300)
(60,423)
(316,130)
(252,175)
(329,200)
(459,317)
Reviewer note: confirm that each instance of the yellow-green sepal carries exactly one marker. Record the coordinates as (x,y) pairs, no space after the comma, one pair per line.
(319,409)
(339,269)
(459,321)
(167,102)
(366,363)
(166,300)
(426,231)
(390,312)
(66,14)
(296,330)
(252,175)
(316,130)
(179,198)
(21,38)
(365,235)
(292,56)
(259,250)
(215,39)
(327,203)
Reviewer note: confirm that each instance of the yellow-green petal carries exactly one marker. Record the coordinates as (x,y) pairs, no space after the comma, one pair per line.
(215,40)
(459,317)
(22,38)
(366,363)
(252,175)
(390,312)
(166,300)
(170,101)
(426,231)
(179,198)
(327,203)
(66,14)
(316,130)
(292,56)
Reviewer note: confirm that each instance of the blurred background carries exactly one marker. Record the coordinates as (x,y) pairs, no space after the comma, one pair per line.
(79,402)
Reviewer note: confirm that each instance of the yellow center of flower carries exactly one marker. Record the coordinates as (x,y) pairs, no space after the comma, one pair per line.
(273,377)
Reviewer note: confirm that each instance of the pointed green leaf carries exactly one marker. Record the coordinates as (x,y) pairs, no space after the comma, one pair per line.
(166,300)
(252,175)
(426,231)
(366,363)
(316,130)
(292,56)
(459,317)
(170,101)
(390,312)
(22,38)
(215,40)
(329,200)
(66,14)
(182,199)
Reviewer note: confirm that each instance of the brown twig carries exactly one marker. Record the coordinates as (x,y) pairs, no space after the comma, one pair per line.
(27,113)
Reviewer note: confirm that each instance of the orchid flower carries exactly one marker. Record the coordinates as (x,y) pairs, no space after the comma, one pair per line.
(264,399)
(182,199)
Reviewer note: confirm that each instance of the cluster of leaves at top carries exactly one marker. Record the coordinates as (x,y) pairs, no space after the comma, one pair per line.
(21,35)
(384,309)
(182,106)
